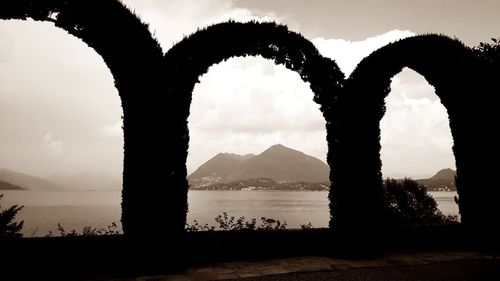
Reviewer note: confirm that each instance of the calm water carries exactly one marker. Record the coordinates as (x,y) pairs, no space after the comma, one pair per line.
(75,209)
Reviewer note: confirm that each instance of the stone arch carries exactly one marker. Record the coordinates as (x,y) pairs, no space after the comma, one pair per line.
(134,59)
(191,58)
(447,65)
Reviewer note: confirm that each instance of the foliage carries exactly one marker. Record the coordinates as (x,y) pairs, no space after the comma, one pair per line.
(408,203)
(8,227)
(228,223)
(306,226)
(231,223)
(195,227)
(489,51)
(111,229)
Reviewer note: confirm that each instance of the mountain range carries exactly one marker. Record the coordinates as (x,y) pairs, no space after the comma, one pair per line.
(29,182)
(281,168)
(12,180)
(277,168)
(278,163)
(8,186)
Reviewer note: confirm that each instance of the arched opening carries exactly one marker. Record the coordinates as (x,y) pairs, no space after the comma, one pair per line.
(416,143)
(257,146)
(115,41)
(190,58)
(62,139)
(446,64)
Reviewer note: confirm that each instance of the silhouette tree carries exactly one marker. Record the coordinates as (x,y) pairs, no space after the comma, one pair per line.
(8,227)
(408,203)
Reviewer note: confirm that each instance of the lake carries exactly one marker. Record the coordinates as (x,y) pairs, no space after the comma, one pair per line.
(75,209)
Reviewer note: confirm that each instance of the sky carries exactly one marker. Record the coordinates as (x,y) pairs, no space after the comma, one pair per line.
(60,112)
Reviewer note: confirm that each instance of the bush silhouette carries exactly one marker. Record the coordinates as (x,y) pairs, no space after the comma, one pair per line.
(408,203)
(88,230)
(231,223)
(489,51)
(9,228)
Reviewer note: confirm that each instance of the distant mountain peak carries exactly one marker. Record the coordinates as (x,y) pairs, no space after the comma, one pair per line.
(446,174)
(444,180)
(279,148)
(279,145)
(278,162)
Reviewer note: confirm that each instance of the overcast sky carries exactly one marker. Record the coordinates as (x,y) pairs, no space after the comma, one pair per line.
(60,113)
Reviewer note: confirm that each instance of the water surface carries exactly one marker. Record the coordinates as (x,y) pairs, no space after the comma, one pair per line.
(75,209)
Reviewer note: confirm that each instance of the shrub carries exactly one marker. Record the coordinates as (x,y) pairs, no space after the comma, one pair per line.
(8,227)
(111,229)
(232,223)
(408,203)
(306,226)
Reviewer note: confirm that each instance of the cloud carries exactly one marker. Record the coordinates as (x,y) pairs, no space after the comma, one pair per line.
(54,146)
(348,54)
(245,105)
(56,94)
(415,133)
(170,21)
(242,105)
(113,131)
(261,96)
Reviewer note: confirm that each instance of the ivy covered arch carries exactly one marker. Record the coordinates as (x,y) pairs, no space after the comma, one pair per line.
(134,59)
(447,65)
(192,57)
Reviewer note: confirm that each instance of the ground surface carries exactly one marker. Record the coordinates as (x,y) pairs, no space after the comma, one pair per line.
(460,266)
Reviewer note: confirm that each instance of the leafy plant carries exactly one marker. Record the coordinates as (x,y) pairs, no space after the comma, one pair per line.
(9,228)
(272,224)
(231,223)
(111,229)
(489,51)
(195,227)
(306,226)
(408,203)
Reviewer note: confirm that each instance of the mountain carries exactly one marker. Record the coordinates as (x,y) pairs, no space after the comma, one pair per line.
(28,181)
(278,163)
(88,181)
(442,180)
(8,186)
(445,174)
(217,169)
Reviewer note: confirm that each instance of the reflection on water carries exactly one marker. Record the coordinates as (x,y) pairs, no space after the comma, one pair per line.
(75,209)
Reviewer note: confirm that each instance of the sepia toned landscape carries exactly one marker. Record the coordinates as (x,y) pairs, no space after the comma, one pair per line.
(253,140)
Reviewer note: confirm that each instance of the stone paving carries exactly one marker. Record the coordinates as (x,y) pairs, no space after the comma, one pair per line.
(235,270)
